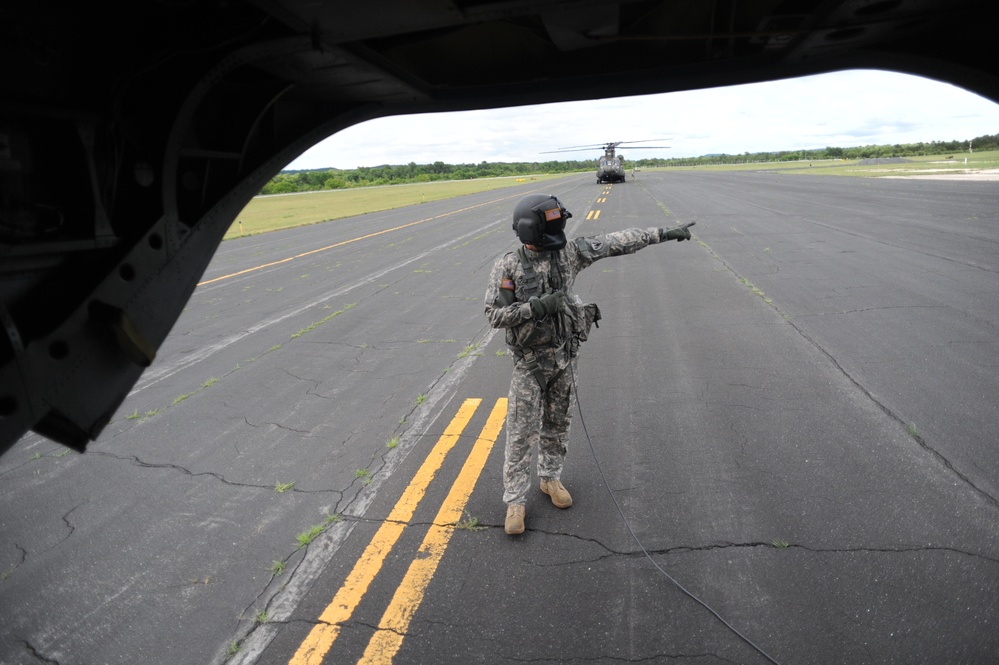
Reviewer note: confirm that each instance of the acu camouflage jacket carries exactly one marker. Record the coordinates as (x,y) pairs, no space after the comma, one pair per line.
(506,296)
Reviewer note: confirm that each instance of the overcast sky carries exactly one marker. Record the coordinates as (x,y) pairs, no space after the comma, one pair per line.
(843,109)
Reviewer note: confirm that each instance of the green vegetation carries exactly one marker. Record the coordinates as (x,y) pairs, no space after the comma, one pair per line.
(981,144)
(315,204)
(315,325)
(289,182)
(780,544)
(135,415)
(281,488)
(307,537)
(313,532)
(278,567)
(468,350)
(471,523)
(392,443)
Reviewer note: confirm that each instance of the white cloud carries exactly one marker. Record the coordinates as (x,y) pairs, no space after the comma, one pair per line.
(842,109)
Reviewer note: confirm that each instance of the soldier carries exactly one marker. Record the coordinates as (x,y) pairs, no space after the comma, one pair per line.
(530,295)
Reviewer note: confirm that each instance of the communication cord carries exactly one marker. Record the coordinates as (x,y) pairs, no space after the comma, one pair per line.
(679,586)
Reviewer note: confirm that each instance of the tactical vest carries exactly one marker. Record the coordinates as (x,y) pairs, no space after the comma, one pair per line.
(531,285)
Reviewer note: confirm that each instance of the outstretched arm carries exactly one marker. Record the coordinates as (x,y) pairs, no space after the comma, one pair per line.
(628,241)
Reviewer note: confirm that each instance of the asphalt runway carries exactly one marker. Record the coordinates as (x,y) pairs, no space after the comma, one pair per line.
(785,449)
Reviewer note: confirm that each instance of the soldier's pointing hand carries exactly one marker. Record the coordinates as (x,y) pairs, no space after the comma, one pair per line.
(679,233)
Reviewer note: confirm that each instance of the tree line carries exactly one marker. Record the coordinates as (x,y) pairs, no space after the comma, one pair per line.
(291,181)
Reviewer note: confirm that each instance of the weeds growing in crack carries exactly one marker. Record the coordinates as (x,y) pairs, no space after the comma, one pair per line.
(281,488)
(468,351)
(313,326)
(471,523)
(278,567)
(392,443)
(306,537)
(142,416)
(780,544)
(911,429)
(261,617)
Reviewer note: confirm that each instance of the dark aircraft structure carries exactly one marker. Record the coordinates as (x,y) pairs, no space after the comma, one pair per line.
(133,133)
(610,166)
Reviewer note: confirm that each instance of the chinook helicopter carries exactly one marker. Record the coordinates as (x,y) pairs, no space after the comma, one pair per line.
(611,165)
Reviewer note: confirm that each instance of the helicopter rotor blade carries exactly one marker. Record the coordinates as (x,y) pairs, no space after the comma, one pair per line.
(607,146)
(642,141)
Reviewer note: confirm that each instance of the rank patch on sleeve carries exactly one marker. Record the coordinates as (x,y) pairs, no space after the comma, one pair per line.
(507,284)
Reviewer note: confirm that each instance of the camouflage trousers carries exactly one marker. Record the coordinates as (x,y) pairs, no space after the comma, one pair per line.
(536,417)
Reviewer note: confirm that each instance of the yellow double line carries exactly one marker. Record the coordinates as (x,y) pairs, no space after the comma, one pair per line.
(387,640)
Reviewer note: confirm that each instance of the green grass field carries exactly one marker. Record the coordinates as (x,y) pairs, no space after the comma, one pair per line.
(283,211)
(911,166)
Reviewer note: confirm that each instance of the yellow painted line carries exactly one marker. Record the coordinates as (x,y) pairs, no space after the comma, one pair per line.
(602,200)
(596,215)
(347,242)
(387,640)
(320,639)
(589,215)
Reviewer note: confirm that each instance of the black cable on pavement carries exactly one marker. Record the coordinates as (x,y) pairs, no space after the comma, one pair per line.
(639,542)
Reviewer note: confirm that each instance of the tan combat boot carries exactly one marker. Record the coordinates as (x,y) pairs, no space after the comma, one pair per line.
(557,491)
(515,518)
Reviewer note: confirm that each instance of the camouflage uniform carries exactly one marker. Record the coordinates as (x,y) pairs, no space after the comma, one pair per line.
(544,349)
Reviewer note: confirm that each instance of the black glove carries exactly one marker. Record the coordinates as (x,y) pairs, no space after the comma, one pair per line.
(545,305)
(679,233)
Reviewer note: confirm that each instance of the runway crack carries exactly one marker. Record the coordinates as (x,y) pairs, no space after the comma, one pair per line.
(10,571)
(135,460)
(37,655)
(923,443)
(891,414)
